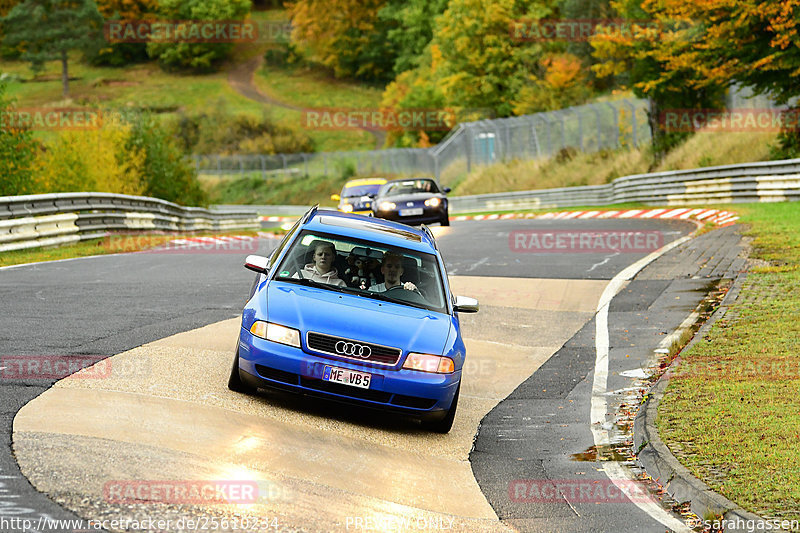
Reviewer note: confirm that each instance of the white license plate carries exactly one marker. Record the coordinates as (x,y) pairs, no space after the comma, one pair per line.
(411,212)
(346,377)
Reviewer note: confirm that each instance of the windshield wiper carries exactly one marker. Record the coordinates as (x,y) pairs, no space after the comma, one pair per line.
(309,282)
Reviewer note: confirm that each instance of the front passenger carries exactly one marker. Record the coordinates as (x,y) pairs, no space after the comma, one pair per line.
(322,269)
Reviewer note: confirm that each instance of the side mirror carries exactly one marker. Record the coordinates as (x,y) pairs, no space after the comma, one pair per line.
(256,263)
(335,197)
(447,190)
(465,304)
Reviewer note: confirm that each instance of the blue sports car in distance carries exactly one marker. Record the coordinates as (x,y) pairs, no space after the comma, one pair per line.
(388,338)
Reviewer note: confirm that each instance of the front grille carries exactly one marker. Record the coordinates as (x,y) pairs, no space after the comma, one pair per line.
(381,355)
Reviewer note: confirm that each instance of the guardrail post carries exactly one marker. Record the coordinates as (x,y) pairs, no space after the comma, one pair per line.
(599,126)
(615,114)
(634,131)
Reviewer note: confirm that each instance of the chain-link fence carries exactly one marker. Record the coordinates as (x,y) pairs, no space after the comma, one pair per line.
(587,128)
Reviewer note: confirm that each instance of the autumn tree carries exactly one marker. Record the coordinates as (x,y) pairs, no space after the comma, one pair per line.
(119,54)
(654,58)
(18,152)
(196,56)
(754,43)
(350,38)
(411,24)
(50,29)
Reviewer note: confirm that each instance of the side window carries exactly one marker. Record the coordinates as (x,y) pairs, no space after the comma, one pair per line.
(277,252)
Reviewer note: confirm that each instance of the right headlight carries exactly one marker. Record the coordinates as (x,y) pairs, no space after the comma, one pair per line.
(387,206)
(276,333)
(429,363)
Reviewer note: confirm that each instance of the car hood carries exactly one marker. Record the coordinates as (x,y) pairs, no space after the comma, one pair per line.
(356,317)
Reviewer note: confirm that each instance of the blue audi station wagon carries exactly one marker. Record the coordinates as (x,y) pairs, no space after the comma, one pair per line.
(355,309)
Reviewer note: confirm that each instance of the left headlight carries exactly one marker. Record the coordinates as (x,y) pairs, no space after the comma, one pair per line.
(276,333)
(433,202)
(429,363)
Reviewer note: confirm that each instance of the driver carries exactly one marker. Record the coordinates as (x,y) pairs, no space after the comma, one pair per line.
(392,269)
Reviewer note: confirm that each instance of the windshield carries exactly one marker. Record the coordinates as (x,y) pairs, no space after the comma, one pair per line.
(396,188)
(367,269)
(361,190)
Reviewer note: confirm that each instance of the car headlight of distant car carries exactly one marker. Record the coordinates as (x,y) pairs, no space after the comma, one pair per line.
(433,202)
(429,363)
(276,333)
(387,206)
(347,208)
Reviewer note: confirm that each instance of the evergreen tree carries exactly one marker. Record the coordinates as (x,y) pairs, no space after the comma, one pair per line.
(49,29)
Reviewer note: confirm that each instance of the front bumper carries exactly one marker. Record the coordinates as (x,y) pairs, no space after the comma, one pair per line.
(428,216)
(422,395)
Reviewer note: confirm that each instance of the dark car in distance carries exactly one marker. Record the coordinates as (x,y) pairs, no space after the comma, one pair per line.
(412,201)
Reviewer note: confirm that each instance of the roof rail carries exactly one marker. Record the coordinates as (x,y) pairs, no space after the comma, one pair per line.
(310,213)
(429,233)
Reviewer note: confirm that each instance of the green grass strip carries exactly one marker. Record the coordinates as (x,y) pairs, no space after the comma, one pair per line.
(732,413)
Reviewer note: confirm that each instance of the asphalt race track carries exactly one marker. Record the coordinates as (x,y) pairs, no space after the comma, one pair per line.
(160,410)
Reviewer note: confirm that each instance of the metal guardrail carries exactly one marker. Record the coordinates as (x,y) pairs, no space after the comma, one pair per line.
(768,181)
(53,219)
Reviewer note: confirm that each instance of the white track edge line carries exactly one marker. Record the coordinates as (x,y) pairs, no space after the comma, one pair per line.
(597,419)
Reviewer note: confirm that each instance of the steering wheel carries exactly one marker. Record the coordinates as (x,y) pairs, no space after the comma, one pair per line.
(415,299)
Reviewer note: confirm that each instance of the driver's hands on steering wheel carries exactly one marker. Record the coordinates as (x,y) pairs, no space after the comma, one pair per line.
(409,286)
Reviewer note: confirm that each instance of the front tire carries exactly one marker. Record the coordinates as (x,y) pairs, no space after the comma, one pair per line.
(445,424)
(235,382)
(445,220)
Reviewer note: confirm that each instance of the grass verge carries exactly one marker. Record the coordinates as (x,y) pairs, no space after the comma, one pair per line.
(732,413)
(111,244)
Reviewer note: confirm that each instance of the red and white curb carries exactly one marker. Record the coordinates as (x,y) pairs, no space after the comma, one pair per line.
(277,219)
(714,216)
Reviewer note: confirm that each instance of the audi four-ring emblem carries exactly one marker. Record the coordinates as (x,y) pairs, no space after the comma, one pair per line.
(352,349)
